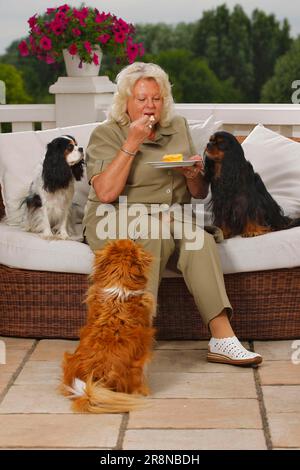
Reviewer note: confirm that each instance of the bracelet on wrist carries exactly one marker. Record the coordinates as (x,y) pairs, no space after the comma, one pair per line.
(132,154)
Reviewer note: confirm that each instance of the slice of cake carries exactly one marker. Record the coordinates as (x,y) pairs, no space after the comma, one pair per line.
(173,157)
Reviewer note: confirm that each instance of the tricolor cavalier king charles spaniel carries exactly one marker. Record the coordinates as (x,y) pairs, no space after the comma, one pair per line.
(241,204)
(47,205)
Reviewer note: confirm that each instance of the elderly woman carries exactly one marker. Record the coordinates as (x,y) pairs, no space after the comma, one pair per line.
(141,128)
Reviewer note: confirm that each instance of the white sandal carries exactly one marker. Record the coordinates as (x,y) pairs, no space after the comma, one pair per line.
(231,351)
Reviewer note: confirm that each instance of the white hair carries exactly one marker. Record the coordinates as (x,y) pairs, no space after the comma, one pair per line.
(126,80)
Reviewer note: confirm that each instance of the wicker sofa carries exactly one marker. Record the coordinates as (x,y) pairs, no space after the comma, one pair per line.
(45,304)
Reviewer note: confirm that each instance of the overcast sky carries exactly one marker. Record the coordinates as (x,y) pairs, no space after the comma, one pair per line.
(15,13)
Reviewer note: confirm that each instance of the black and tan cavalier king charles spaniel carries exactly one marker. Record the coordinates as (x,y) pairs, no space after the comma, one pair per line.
(241,204)
(48,203)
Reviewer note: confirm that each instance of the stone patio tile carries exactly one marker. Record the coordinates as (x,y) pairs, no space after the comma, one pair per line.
(59,431)
(188,361)
(282,398)
(202,385)
(52,349)
(275,350)
(285,429)
(39,372)
(14,358)
(197,413)
(17,343)
(181,345)
(186,439)
(279,373)
(5,377)
(35,398)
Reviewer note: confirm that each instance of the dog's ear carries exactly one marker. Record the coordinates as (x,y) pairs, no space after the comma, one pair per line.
(101,262)
(78,170)
(56,172)
(146,259)
(233,165)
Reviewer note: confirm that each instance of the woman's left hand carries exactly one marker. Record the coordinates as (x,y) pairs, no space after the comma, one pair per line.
(191,172)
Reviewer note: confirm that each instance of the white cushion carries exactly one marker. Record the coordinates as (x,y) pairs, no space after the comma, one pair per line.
(20,152)
(29,251)
(274,250)
(277,159)
(25,250)
(201,132)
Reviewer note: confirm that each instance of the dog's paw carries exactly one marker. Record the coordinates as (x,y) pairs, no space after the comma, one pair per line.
(63,235)
(252,234)
(47,235)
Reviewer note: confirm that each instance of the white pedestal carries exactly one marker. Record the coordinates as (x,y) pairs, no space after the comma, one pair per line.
(81,100)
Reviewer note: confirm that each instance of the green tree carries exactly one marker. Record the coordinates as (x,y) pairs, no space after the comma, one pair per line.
(269,42)
(192,79)
(287,69)
(160,37)
(15,92)
(242,48)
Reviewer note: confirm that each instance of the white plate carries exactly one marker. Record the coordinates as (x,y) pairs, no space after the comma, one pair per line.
(172,164)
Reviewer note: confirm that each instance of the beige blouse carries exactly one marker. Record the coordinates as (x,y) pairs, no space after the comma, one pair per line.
(145,184)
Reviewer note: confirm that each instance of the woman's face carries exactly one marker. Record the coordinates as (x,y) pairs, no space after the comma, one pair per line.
(146,100)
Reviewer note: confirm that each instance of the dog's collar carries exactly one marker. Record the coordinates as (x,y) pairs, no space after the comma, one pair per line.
(121,293)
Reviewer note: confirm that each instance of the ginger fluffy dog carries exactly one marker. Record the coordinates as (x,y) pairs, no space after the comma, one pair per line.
(106,372)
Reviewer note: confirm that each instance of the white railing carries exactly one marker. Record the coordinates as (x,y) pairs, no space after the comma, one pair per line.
(241,118)
(237,118)
(22,117)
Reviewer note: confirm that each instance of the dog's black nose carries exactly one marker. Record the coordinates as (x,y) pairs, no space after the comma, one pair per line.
(80,149)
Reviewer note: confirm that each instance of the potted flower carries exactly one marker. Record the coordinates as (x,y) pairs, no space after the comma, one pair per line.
(84,33)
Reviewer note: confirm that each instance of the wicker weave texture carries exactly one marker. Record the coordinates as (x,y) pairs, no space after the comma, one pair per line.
(50,305)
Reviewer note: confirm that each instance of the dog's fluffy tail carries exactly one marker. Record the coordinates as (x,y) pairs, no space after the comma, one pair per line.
(92,397)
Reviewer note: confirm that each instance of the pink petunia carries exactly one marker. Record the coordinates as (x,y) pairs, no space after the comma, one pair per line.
(132,52)
(23,48)
(96,59)
(88,46)
(103,38)
(76,32)
(100,17)
(45,43)
(37,30)
(60,17)
(64,8)
(73,49)
(57,28)
(119,37)
(81,15)
(32,21)
(50,11)
(122,26)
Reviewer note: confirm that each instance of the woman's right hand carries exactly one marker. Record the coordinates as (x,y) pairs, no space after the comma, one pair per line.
(140,130)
